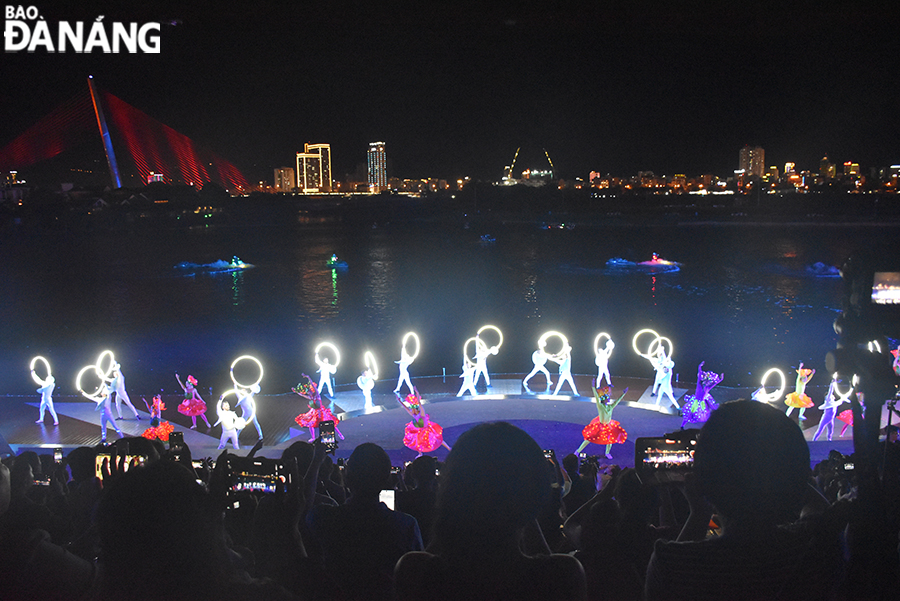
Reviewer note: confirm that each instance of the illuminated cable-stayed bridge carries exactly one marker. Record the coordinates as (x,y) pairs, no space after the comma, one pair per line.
(137,146)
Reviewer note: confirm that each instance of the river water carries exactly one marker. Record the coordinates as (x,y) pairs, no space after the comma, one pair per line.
(742,300)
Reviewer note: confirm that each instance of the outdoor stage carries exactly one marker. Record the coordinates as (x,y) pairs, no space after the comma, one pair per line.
(555,422)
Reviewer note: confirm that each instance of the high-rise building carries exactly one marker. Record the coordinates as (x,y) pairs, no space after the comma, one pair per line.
(752,160)
(377,167)
(314,168)
(827,169)
(284,179)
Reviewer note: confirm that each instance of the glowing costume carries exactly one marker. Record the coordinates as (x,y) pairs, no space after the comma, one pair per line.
(404,363)
(468,383)
(539,358)
(565,370)
(698,406)
(829,408)
(664,367)
(245,399)
(118,386)
(481,354)
(603,429)
(602,362)
(192,405)
(327,370)
(106,417)
(317,412)
(231,424)
(46,392)
(366,383)
(799,399)
(421,434)
(157,429)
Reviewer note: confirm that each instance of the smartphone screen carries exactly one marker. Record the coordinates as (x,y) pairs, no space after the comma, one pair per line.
(255,474)
(326,434)
(661,460)
(387,497)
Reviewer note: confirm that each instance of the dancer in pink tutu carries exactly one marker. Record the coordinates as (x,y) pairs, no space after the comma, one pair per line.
(421,434)
(317,412)
(799,399)
(192,405)
(157,429)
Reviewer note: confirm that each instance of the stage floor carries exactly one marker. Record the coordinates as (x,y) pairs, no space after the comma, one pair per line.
(555,422)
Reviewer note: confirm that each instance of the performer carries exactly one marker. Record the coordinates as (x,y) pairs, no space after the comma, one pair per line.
(421,434)
(468,382)
(799,399)
(603,429)
(829,408)
(192,405)
(564,359)
(366,383)
(602,362)
(118,386)
(327,370)
(846,415)
(230,422)
(664,367)
(539,358)
(481,354)
(405,361)
(245,400)
(105,407)
(317,413)
(46,392)
(698,406)
(157,429)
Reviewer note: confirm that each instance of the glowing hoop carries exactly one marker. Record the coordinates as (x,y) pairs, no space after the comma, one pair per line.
(874,347)
(844,397)
(239,422)
(238,360)
(557,357)
(337,354)
(97,396)
(478,343)
(634,341)
(764,396)
(369,361)
(657,345)
(105,373)
(403,345)
(496,348)
(34,375)
(597,340)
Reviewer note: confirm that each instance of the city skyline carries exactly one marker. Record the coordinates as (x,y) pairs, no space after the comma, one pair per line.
(453,91)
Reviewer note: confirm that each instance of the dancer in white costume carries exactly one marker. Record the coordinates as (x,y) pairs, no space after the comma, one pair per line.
(664,367)
(539,358)
(468,383)
(106,416)
(366,383)
(602,362)
(482,352)
(46,390)
(118,386)
(327,370)
(248,405)
(564,359)
(230,422)
(405,361)
(833,400)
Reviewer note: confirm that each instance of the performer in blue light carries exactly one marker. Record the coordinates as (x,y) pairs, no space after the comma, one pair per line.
(665,368)
(46,392)
(248,405)
(106,417)
(118,386)
(833,400)
(697,407)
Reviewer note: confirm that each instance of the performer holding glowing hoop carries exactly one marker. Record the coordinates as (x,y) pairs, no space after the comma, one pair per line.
(192,405)
(46,390)
(482,352)
(603,429)
(539,358)
(564,359)
(317,413)
(118,386)
(601,360)
(157,429)
(833,400)
(245,394)
(799,399)
(231,423)
(468,376)
(326,368)
(405,361)
(366,380)
(698,406)
(421,434)
(102,394)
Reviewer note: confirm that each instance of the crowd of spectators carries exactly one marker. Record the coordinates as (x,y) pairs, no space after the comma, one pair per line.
(497,520)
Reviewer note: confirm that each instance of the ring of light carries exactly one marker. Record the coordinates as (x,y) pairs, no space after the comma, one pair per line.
(656,346)
(369,360)
(337,354)
(478,344)
(34,375)
(496,348)
(94,396)
(258,380)
(105,373)
(403,345)
(240,420)
(542,344)
(765,396)
(837,392)
(638,335)
(597,340)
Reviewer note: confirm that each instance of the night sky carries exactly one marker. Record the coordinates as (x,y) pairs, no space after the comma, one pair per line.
(453,88)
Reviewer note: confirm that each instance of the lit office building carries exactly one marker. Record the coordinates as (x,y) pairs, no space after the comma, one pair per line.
(284,179)
(377,168)
(752,160)
(314,168)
